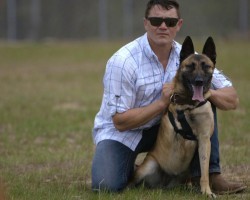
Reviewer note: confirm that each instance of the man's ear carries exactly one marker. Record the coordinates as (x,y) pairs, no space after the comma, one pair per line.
(145,22)
(187,49)
(179,24)
(209,49)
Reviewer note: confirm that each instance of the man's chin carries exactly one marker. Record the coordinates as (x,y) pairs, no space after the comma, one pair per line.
(163,41)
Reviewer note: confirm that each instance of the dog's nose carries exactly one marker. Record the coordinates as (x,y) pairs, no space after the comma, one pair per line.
(198,81)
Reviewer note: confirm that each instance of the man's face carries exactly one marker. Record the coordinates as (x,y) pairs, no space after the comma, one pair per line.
(161,35)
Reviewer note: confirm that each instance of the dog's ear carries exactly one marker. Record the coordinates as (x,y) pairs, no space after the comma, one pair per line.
(209,49)
(187,48)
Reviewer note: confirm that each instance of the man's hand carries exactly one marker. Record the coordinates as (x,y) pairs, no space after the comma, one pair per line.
(167,91)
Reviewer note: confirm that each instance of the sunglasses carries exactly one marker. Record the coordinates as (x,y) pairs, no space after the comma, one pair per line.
(157,21)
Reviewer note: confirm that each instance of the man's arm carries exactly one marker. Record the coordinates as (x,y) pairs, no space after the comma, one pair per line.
(137,117)
(224,98)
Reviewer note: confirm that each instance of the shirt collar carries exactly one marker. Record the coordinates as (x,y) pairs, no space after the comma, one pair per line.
(149,52)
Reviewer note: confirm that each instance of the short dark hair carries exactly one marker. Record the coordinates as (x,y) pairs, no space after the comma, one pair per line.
(167,4)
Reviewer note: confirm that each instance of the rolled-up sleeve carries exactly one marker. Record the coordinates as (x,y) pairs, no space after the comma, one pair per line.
(119,84)
(220,80)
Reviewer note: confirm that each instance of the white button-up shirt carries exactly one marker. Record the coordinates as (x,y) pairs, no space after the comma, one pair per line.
(134,78)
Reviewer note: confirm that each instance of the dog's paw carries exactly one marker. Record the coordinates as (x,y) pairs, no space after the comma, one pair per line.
(209,194)
(212,196)
(207,191)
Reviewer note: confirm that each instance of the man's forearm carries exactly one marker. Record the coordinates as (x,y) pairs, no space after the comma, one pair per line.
(225,98)
(137,117)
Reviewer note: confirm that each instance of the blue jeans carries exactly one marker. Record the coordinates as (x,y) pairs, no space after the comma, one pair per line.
(113,162)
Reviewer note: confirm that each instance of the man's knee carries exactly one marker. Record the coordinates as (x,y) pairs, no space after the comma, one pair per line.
(112,166)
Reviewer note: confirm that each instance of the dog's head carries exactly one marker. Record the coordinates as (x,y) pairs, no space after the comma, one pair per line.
(196,70)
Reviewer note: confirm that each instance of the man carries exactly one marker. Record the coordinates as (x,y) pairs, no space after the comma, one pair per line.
(137,89)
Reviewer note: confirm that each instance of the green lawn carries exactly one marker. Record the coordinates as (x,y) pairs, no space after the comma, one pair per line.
(49,95)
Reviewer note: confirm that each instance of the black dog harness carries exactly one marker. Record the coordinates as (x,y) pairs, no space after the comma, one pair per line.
(186,131)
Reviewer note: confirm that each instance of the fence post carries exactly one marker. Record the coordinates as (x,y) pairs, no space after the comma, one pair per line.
(103,31)
(35,19)
(11,21)
(243,16)
(127,18)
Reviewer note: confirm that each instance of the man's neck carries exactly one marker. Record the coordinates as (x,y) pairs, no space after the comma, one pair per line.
(163,53)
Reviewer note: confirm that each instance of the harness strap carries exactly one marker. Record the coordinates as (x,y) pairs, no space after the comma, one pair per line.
(186,132)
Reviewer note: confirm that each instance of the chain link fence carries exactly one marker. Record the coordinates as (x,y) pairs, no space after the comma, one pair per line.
(114,19)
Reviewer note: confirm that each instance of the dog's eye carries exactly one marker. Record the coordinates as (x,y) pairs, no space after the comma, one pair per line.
(205,66)
(191,66)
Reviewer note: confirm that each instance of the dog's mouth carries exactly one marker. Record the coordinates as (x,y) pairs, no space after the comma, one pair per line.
(198,93)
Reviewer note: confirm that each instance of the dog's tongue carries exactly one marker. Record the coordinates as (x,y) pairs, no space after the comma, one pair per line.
(198,93)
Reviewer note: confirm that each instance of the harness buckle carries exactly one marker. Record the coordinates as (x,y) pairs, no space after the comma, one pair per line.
(173,98)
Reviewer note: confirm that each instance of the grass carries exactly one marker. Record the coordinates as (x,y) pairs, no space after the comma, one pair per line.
(50,93)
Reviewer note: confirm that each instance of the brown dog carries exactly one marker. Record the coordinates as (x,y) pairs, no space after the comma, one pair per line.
(188,121)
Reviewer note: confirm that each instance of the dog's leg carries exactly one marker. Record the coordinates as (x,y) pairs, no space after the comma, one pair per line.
(204,155)
(149,172)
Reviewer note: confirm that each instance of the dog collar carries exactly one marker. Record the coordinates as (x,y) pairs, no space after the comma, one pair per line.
(177,99)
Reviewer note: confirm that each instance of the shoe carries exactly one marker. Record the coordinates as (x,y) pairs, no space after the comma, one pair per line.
(219,185)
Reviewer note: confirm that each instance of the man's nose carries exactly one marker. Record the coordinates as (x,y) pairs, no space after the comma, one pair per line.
(163,25)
